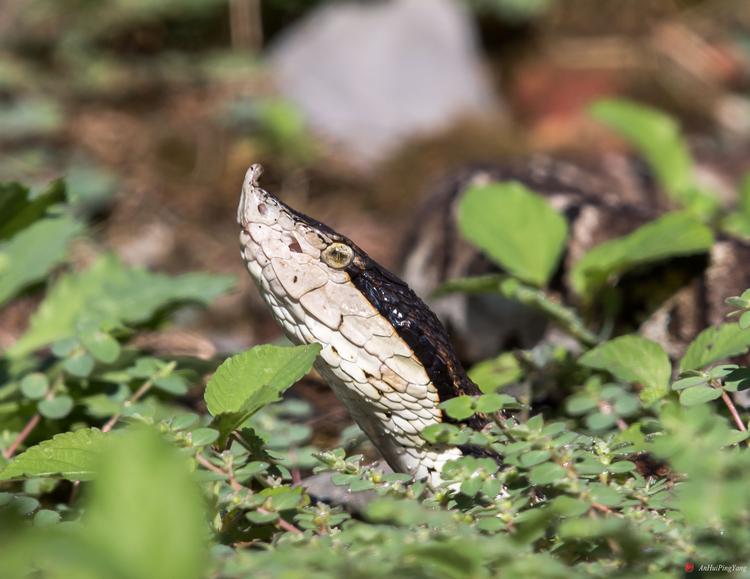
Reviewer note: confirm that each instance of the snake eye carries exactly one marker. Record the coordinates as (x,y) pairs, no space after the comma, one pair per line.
(338,255)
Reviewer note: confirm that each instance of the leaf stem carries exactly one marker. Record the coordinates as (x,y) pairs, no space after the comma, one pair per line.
(203,461)
(138,394)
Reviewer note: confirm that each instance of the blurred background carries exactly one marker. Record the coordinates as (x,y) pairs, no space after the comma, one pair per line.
(153,109)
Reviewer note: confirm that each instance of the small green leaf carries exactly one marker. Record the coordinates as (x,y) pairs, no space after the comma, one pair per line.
(674,234)
(204,436)
(500,219)
(46,518)
(34,386)
(491,375)
(459,408)
(546,473)
(580,404)
(57,407)
(714,344)
(71,455)
(683,383)
(744,321)
(173,383)
(633,359)
(600,421)
(79,364)
(698,395)
(261,518)
(100,344)
(489,403)
(534,457)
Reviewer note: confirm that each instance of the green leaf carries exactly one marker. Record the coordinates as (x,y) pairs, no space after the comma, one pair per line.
(698,395)
(204,436)
(491,375)
(714,344)
(57,407)
(99,343)
(546,473)
(633,359)
(29,255)
(263,372)
(600,421)
(145,515)
(689,381)
(534,457)
(79,364)
(173,383)
(71,455)
(111,291)
(18,210)
(580,404)
(656,136)
(459,408)
(672,235)
(488,403)
(500,219)
(34,386)
(247,382)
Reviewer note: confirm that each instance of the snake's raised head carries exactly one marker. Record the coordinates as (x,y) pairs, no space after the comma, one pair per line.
(383,351)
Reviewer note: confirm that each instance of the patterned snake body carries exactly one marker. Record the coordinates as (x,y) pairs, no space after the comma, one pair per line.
(384,353)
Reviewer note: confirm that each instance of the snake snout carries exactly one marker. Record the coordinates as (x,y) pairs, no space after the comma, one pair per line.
(255,203)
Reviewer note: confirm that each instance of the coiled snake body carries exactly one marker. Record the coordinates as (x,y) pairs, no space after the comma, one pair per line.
(384,353)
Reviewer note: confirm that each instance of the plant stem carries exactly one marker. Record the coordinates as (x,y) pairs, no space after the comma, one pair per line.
(23,435)
(138,394)
(733,411)
(282,524)
(31,424)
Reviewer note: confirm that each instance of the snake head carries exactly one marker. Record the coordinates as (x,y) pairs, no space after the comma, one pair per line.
(256,205)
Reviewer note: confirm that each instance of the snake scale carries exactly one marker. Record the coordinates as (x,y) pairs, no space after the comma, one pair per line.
(384,353)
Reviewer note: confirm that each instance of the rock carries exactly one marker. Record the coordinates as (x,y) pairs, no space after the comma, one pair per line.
(369,76)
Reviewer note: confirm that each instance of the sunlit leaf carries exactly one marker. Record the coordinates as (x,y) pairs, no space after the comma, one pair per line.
(516,228)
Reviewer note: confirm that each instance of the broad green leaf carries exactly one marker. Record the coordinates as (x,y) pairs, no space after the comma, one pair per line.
(71,455)
(491,375)
(30,254)
(18,210)
(714,344)
(672,235)
(111,291)
(657,137)
(698,395)
(633,359)
(247,382)
(145,515)
(516,228)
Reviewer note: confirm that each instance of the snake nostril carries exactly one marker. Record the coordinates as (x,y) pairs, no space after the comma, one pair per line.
(295,247)
(262,209)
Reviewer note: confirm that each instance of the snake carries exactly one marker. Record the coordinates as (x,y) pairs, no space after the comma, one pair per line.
(383,352)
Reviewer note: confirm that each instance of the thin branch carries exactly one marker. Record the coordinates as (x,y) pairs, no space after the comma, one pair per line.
(22,436)
(285,525)
(733,411)
(137,395)
(29,428)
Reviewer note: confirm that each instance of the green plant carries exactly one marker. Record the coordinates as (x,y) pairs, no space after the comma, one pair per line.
(112,469)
